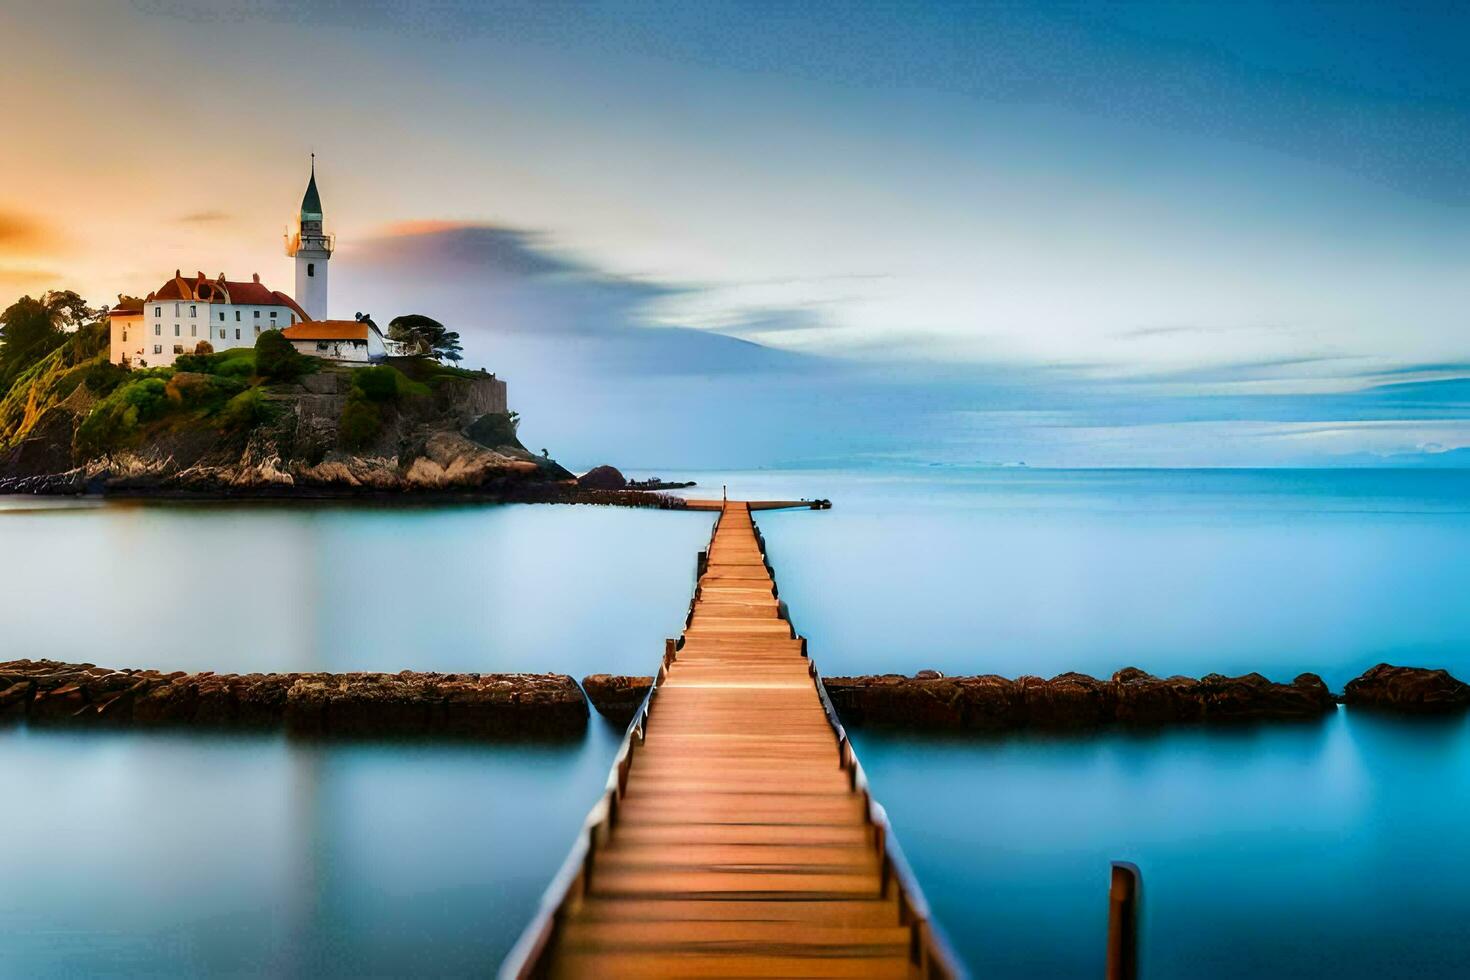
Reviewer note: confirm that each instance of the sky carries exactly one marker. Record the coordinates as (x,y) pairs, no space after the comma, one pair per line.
(709,234)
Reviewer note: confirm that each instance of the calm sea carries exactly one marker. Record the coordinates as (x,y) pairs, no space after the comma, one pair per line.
(1332,849)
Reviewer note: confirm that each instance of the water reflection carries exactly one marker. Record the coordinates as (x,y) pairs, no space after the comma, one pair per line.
(572,589)
(1332,849)
(171,854)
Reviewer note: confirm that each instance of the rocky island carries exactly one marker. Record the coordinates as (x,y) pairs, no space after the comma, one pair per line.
(266,421)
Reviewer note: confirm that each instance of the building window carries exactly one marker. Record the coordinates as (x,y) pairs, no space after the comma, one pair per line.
(193,330)
(222,333)
(237,333)
(158,348)
(178,348)
(321,345)
(273,314)
(176,329)
(221,314)
(158,330)
(257,328)
(193,311)
(257,314)
(311,268)
(176,313)
(158,311)
(237,316)
(125,336)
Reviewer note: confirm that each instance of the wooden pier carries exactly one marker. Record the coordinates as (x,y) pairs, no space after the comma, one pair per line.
(736,836)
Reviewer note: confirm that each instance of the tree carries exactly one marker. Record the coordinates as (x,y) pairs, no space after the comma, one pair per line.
(28,332)
(67,310)
(425,337)
(203,349)
(276,359)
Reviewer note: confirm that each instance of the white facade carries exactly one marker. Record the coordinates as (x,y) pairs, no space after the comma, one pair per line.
(312,249)
(170,325)
(312,255)
(177,316)
(349,351)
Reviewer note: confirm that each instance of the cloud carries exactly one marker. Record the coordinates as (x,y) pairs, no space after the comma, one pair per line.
(599,374)
(22,234)
(24,280)
(206,217)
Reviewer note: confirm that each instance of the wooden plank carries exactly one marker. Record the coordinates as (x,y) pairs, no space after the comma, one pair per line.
(739,848)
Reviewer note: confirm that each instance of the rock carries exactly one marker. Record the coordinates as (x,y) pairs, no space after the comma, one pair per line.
(1410,690)
(1069,701)
(15,700)
(602,478)
(928,675)
(1066,701)
(317,703)
(1253,697)
(1143,699)
(987,702)
(615,696)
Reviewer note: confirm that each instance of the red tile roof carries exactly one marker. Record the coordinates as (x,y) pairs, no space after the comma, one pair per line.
(327,330)
(221,290)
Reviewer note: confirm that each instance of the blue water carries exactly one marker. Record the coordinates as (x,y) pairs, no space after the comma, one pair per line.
(1316,850)
(150,854)
(1039,572)
(1320,850)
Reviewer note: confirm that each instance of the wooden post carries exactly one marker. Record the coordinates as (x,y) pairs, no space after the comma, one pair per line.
(1124,897)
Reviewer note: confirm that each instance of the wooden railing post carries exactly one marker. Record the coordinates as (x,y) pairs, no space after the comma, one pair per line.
(1124,897)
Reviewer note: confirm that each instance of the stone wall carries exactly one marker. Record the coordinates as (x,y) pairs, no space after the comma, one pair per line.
(988,702)
(47,691)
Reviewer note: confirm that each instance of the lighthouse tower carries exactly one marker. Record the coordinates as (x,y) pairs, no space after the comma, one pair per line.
(312,250)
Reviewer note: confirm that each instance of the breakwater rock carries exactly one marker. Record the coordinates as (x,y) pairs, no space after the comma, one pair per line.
(988,702)
(616,696)
(1410,690)
(1132,697)
(475,705)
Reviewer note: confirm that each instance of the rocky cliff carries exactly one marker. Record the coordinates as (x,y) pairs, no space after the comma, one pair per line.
(326,433)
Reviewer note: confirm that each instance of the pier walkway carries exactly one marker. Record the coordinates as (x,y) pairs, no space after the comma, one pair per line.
(736,836)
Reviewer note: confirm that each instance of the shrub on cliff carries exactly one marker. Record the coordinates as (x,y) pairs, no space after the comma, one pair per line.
(191,390)
(277,360)
(378,384)
(238,362)
(119,416)
(245,411)
(103,377)
(362,420)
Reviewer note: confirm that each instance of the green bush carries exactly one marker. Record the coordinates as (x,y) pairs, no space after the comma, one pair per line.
(192,390)
(246,410)
(234,367)
(361,422)
(378,384)
(277,360)
(70,382)
(119,416)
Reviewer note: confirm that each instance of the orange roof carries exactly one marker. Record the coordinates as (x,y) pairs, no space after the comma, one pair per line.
(126,307)
(327,330)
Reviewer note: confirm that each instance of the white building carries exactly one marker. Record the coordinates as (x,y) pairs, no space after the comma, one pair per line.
(182,312)
(354,341)
(174,318)
(312,249)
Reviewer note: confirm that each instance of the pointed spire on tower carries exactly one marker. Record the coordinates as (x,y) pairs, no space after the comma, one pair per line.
(311,204)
